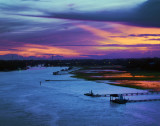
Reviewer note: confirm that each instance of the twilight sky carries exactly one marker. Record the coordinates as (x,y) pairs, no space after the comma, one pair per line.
(80,28)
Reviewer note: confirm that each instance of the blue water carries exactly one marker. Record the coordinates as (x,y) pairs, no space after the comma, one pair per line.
(24,102)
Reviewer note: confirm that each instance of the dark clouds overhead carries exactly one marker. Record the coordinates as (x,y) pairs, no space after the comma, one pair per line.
(145,14)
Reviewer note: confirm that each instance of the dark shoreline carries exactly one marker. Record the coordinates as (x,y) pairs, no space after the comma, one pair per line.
(152,64)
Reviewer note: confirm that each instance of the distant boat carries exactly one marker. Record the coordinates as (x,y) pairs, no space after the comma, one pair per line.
(56,73)
(89,94)
(92,94)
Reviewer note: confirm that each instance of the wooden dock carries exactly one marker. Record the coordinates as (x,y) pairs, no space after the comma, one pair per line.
(124,94)
(61,80)
(119,98)
(144,100)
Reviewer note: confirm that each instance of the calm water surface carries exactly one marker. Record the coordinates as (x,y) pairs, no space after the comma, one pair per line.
(24,102)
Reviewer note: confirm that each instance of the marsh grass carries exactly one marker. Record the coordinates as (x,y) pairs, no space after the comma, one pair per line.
(135,75)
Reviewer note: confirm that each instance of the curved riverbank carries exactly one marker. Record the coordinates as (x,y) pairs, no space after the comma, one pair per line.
(57,103)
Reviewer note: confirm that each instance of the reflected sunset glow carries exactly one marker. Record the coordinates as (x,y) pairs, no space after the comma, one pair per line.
(144,84)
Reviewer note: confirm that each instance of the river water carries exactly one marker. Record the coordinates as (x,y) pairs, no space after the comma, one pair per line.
(24,102)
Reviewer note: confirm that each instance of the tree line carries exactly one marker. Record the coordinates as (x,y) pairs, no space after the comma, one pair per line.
(143,63)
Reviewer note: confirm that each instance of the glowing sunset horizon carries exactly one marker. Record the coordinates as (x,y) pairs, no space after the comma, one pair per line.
(78,29)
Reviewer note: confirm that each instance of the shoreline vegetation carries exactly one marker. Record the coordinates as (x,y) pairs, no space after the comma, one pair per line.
(121,76)
(135,73)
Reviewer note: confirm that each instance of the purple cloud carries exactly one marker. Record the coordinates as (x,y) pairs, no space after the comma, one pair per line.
(155,39)
(143,35)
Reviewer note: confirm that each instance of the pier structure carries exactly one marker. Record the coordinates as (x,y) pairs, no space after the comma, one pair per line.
(119,98)
(144,100)
(125,94)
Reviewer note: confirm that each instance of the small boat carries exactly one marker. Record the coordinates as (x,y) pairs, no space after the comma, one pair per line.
(89,94)
(56,73)
(116,98)
(92,94)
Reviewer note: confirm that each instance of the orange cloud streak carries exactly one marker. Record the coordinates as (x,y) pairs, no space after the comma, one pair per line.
(125,30)
(40,51)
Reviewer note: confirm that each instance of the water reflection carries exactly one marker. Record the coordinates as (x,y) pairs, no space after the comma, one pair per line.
(123,75)
(155,85)
(115,105)
(118,75)
(102,71)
